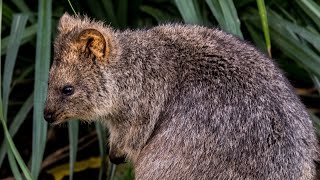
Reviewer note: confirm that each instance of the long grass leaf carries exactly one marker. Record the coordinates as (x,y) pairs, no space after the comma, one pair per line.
(18,25)
(7,137)
(264,21)
(308,35)
(190,11)
(112,171)
(73,144)
(214,6)
(101,132)
(70,4)
(17,28)
(236,20)
(312,9)
(16,123)
(289,45)
(301,54)
(231,17)
(22,6)
(11,145)
(226,14)
(43,48)
(28,34)
(13,166)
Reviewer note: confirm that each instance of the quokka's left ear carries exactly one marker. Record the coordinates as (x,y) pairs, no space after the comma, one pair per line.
(92,42)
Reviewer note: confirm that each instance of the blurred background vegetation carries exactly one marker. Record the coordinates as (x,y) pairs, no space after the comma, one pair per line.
(287,30)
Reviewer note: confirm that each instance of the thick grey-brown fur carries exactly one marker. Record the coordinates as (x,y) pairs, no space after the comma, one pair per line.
(184,102)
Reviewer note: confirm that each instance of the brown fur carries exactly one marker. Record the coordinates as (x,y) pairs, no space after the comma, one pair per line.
(182,101)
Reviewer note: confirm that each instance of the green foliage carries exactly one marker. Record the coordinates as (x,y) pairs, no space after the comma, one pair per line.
(264,20)
(101,132)
(226,15)
(73,139)
(13,150)
(190,11)
(43,48)
(18,24)
(292,27)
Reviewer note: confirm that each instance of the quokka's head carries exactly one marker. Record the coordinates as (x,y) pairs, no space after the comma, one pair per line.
(83,51)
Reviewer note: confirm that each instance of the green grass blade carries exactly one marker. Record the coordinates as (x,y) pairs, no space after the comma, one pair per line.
(73,144)
(231,17)
(70,4)
(289,45)
(16,123)
(101,132)
(112,171)
(226,14)
(11,145)
(214,6)
(312,9)
(293,49)
(22,6)
(13,166)
(28,34)
(264,21)
(190,11)
(43,48)
(287,15)
(17,28)
(15,151)
(310,36)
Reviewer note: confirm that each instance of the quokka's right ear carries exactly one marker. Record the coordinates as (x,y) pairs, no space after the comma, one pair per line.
(66,22)
(93,42)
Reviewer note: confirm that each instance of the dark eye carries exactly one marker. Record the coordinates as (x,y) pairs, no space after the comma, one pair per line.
(67,90)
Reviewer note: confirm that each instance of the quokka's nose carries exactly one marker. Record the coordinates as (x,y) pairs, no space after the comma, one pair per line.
(48,116)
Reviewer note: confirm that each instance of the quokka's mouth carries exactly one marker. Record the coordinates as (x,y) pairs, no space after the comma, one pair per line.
(54,118)
(59,119)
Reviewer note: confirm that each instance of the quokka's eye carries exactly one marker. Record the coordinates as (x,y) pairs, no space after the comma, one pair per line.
(67,90)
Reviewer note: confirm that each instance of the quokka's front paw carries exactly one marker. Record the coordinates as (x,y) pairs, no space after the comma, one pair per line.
(117,158)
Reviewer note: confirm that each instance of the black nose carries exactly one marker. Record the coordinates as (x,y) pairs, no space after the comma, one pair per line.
(48,116)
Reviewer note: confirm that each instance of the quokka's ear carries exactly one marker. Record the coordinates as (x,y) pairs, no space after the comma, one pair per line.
(92,42)
(66,23)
